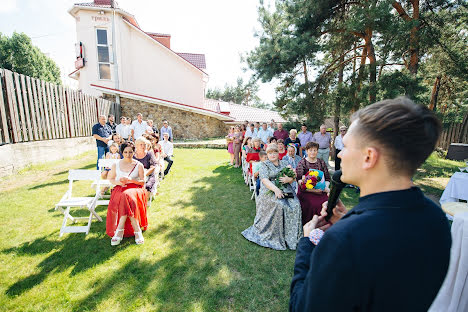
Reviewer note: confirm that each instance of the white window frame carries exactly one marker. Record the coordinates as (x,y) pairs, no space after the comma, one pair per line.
(97,54)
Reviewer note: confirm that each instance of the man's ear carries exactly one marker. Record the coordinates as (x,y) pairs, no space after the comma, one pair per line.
(371,157)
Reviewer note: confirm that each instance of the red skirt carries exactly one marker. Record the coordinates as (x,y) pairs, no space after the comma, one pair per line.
(311,204)
(127,201)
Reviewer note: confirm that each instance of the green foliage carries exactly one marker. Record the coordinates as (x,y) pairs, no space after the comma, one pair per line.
(18,54)
(241,93)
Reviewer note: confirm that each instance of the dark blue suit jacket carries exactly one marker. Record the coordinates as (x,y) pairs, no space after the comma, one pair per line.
(389,253)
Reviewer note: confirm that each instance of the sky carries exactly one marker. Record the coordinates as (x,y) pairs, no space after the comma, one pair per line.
(223,30)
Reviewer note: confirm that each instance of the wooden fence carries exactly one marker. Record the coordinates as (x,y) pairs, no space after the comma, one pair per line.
(33,110)
(454,133)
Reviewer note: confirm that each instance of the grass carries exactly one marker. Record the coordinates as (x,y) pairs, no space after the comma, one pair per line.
(194,257)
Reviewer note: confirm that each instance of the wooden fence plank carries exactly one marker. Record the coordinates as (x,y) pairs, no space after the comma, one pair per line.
(32,105)
(26,107)
(79,114)
(63,105)
(40,109)
(76,113)
(69,98)
(46,110)
(11,98)
(53,118)
(88,115)
(19,97)
(59,111)
(5,132)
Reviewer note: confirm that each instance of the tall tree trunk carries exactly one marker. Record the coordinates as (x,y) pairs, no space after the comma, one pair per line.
(338,102)
(414,40)
(464,129)
(435,94)
(372,65)
(359,80)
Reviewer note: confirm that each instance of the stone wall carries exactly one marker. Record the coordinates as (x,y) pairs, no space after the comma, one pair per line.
(184,124)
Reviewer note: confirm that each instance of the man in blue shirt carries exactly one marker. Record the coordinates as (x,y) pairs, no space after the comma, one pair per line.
(166,129)
(102,133)
(264,133)
(390,252)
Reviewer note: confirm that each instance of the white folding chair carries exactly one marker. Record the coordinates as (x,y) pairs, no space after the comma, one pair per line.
(254,193)
(68,201)
(102,164)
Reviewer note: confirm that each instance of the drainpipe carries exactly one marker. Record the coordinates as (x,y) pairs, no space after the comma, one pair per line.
(114,54)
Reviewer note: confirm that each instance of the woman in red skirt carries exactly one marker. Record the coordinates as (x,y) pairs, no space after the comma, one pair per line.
(126,214)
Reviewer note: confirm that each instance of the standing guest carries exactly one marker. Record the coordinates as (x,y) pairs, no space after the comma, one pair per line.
(277,222)
(281,149)
(339,146)
(230,144)
(323,138)
(294,140)
(123,129)
(111,122)
(281,133)
(311,200)
(257,128)
(166,129)
(271,127)
(126,213)
(168,149)
(138,127)
(149,163)
(250,132)
(305,137)
(246,124)
(375,256)
(243,130)
(151,127)
(129,121)
(236,146)
(264,133)
(102,133)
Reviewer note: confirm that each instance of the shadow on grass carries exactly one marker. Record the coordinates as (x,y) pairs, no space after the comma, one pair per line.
(72,251)
(87,167)
(204,264)
(35,187)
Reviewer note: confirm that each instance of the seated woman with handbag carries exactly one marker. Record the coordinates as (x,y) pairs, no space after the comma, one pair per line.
(126,214)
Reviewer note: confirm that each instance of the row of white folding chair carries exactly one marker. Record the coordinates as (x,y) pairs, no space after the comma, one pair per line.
(68,201)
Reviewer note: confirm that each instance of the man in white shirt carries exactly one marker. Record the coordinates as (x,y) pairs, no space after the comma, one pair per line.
(264,133)
(168,149)
(339,146)
(123,129)
(138,127)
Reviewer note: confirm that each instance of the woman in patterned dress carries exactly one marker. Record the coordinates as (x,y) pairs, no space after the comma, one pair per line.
(277,223)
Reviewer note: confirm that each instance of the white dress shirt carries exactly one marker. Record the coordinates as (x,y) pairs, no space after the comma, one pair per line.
(123,130)
(167,147)
(138,128)
(339,142)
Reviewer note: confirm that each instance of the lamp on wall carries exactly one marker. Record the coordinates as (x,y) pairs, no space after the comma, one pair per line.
(101,12)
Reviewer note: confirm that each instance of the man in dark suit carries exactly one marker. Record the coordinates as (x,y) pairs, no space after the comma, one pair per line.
(391,251)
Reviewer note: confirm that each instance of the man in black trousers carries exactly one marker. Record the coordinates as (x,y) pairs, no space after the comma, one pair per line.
(391,251)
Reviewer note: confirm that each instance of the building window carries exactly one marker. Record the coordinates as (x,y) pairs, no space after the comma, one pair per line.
(103,54)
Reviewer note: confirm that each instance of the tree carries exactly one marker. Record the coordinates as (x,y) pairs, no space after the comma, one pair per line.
(18,54)
(241,93)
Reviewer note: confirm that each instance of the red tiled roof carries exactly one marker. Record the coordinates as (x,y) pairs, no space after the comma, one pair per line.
(197,60)
(240,113)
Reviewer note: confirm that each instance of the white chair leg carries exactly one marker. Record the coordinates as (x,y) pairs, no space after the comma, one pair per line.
(64,223)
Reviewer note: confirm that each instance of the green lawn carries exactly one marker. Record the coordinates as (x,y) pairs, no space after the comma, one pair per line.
(194,257)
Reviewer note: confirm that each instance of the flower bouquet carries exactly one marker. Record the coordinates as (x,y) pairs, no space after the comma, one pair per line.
(285,172)
(314,179)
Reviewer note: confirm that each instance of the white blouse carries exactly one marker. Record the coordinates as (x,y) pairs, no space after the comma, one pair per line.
(134,175)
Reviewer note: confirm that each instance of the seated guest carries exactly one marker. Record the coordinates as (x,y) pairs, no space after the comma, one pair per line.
(246,146)
(256,170)
(116,138)
(151,127)
(311,199)
(168,149)
(126,213)
(112,154)
(256,146)
(282,150)
(277,223)
(271,140)
(157,151)
(149,163)
(291,157)
(293,139)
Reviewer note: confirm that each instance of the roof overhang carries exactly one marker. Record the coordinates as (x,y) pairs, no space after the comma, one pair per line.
(167,103)
(77,7)
(75,74)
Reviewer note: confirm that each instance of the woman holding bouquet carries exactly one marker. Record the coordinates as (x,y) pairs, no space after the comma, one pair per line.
(313,198)
(277,224)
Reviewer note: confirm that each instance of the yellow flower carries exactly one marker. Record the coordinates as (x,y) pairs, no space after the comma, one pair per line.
(315,173)
(309,184)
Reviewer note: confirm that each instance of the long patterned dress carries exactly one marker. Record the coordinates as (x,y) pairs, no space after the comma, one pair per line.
(277,222)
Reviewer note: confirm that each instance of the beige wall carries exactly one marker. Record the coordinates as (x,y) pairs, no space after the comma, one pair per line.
(185,125)
(14,157)
(145,66)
